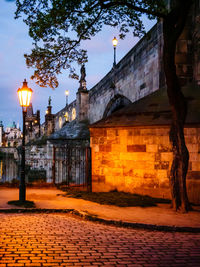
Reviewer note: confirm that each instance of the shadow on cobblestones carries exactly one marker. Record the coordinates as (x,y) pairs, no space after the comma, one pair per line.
(120,199)
(23,204)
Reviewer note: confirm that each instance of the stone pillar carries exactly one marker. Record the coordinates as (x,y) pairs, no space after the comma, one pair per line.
(82,102)
(49,119)
(50,163)
(82,98)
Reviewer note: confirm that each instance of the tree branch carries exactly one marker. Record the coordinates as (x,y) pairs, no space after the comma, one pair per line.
(76,42)
(131,6)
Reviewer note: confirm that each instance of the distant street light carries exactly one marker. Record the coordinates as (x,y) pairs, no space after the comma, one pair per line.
(114,42)
(24,94)
(67,94)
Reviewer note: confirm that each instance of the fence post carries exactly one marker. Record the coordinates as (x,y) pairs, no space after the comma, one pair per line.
(54,166)
(88,168)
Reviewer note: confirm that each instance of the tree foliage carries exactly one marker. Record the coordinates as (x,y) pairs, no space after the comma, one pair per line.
(58,27)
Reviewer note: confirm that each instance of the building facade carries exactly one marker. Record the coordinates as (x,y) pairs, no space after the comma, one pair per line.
(132,152)
(12,135)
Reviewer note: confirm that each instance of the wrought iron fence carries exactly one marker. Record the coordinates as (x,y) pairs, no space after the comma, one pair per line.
(68,164)
(72,166)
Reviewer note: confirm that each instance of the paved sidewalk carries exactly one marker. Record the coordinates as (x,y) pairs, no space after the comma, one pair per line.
(51,198)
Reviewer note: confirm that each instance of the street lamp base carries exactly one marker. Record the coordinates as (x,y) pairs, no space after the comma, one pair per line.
(22,193)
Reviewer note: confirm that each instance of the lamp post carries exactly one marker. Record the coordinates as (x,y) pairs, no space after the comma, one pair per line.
(67,94)
(114,42)
(24,94)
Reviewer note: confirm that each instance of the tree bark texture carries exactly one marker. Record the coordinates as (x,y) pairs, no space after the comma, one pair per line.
(173,25)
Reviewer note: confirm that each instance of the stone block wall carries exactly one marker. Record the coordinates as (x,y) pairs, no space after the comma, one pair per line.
(138,74)
(138,160)
(135,76)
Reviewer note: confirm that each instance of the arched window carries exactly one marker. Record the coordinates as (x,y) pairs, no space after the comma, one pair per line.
(60,122)
(66,116)
(73,114)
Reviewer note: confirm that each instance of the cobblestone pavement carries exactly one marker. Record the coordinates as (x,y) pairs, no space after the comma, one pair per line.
(62,240)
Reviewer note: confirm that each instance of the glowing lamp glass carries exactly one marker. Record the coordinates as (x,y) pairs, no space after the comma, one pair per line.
(67,92)
(114,41)
(24,95)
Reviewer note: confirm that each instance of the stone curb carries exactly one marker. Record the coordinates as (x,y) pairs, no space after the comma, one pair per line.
(94,218)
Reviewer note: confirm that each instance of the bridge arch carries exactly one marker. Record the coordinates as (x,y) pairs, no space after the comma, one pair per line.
(116,103)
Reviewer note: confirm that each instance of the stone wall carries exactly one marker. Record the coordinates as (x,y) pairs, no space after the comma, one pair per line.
(136,75)
(138,160)
(65,115)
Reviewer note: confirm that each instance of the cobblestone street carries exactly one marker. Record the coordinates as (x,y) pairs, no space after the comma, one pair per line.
(62,240)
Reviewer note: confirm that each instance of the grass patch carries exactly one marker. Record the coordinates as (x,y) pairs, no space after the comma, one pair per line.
(120,199)
(23,204)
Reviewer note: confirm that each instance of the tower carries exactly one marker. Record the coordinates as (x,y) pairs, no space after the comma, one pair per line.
(49,119)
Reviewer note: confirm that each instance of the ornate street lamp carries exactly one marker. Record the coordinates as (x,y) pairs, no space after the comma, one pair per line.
(24,94)
(114,42)
(67,94)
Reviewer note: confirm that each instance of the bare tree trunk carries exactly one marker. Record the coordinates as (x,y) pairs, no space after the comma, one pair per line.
(173,25)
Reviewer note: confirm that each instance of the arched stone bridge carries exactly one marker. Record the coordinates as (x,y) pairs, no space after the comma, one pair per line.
(138,74)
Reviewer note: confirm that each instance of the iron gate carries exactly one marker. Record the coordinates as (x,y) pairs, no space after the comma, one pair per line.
(72,166)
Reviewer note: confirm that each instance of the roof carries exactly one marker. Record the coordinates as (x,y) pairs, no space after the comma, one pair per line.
(152,110)
(12,125)
(72,130)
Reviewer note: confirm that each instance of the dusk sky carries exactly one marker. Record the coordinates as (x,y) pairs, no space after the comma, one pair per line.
(15,42)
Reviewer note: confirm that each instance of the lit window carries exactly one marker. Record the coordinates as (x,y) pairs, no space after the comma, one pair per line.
(66,116)
(60,122)
(73,114)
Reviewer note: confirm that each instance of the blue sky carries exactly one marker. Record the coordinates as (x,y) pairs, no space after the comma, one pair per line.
(15,42)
